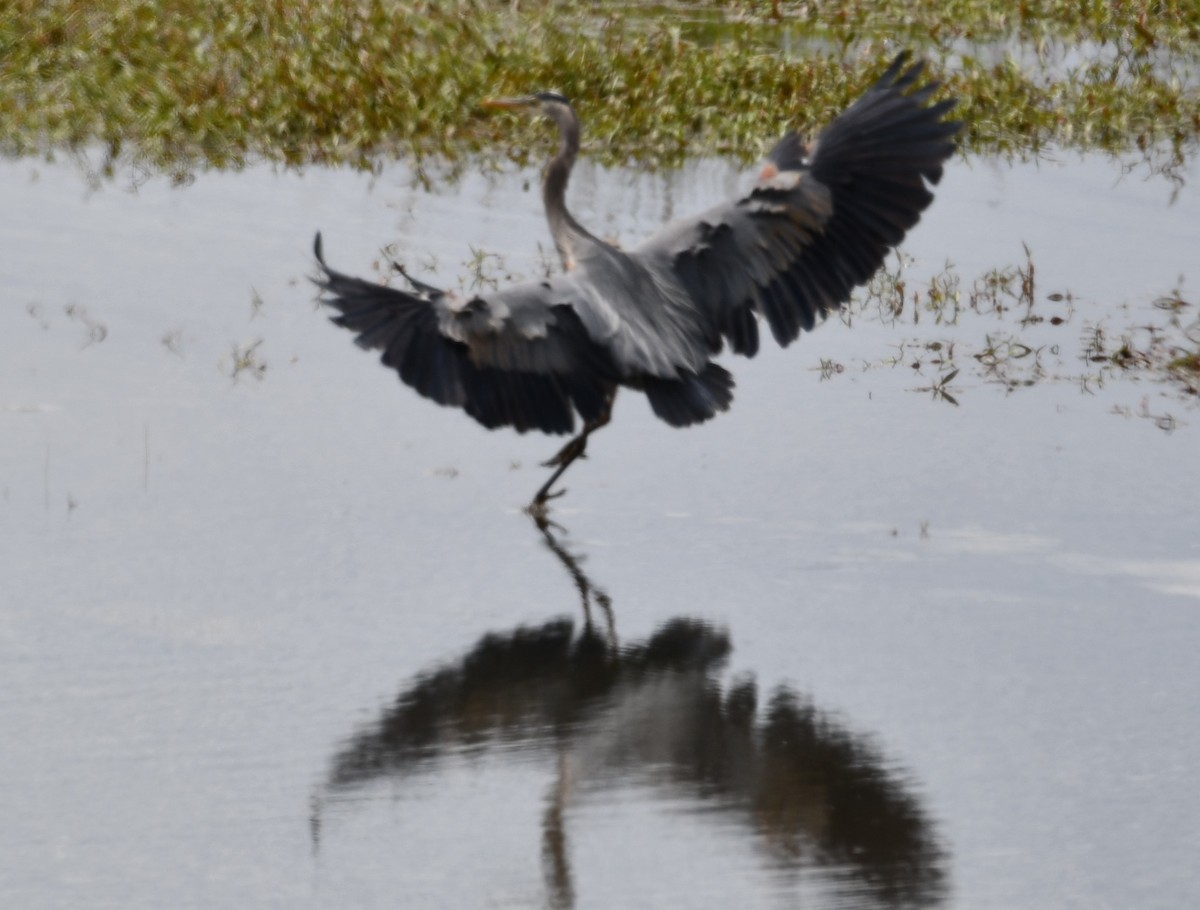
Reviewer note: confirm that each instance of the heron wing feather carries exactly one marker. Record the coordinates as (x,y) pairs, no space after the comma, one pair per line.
(509,359)
(819,221)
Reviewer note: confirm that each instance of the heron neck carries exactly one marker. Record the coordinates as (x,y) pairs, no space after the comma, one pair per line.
(569,235)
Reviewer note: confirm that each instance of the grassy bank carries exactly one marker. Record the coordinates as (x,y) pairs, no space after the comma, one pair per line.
(175,85)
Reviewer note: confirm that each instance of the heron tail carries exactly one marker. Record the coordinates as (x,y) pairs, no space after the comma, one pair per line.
(692,398)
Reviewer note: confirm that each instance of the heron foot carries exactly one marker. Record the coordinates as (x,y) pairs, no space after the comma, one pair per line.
(539,509)
(576,448)
(544,496)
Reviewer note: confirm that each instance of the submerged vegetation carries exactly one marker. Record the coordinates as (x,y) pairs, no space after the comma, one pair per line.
(176,85)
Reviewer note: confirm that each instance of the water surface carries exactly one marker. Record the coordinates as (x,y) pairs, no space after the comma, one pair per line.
(286,639)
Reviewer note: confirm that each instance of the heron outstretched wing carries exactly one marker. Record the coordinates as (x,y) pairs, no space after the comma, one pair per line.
(513,358)
(819,220)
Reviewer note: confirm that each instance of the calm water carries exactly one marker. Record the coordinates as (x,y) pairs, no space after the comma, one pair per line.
(287,639)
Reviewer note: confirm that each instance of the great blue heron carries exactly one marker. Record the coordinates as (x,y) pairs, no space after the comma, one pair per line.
(818,221)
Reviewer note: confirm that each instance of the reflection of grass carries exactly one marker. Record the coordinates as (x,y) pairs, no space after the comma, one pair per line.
(176,84)
(940,388)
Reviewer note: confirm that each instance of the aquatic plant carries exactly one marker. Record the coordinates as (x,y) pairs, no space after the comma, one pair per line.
(175,85)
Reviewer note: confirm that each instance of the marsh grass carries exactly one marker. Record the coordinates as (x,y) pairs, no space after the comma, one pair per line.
(1028,337)
(246,360)
(170,86)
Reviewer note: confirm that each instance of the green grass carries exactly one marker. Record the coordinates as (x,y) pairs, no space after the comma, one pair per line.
(175,85)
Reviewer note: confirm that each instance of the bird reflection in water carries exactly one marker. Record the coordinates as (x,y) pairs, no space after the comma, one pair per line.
(820,802)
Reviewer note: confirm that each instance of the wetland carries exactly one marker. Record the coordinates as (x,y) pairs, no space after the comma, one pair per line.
(913,625)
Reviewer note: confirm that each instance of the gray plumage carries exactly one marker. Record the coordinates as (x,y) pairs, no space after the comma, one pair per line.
(818,221)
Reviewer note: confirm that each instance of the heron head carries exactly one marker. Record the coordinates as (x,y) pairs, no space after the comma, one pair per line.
(549,104)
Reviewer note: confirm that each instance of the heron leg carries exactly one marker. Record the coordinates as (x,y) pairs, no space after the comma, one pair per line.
(573,449)
(576,448)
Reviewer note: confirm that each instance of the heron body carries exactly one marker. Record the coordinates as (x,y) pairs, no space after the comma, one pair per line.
(818,221)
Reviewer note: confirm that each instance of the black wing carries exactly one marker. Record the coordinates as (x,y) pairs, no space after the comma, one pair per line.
(513,359)
(819,221)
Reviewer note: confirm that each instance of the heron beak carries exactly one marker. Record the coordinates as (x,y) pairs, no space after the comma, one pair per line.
(507,104)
